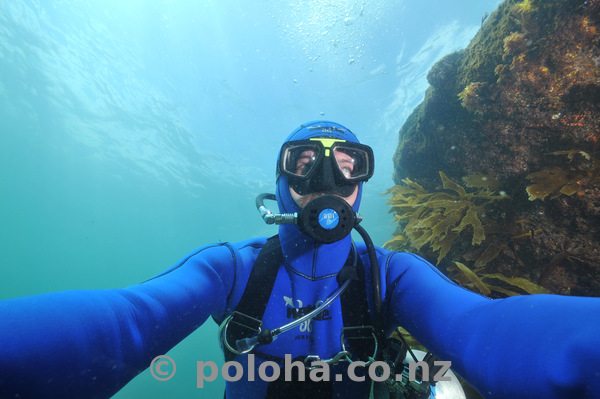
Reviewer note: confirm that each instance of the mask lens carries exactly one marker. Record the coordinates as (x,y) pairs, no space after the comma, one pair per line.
(354,163)
(300,160)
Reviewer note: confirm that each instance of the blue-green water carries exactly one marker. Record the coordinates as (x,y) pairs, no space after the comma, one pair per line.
(132,132)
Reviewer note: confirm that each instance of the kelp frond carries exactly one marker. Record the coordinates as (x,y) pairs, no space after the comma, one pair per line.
(437,219)
(567,180)
(496,282)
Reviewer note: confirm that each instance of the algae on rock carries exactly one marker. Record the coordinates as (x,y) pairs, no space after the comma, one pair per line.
(528,85)
(568,180)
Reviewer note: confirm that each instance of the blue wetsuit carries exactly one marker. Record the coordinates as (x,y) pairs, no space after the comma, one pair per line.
(520,347)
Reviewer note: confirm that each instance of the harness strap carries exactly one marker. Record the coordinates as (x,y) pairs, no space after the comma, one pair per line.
(262,279)
(258,289)
(355,312)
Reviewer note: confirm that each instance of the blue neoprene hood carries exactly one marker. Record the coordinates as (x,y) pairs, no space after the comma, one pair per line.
(302,253)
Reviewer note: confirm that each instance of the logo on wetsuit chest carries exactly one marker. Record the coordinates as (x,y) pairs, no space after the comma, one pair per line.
(294,312)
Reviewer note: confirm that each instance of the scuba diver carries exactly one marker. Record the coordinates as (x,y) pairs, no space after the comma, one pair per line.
(312,296)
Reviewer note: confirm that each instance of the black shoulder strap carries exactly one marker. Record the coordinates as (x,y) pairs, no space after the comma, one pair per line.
(258,289)
(355,313)
(262,279)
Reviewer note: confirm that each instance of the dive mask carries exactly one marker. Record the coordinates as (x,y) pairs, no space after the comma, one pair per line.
(325,165)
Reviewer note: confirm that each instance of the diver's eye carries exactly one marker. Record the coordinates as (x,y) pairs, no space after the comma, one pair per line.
(345,163)
(304,162)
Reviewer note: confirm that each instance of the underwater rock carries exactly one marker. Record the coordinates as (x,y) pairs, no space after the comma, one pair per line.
(520,104)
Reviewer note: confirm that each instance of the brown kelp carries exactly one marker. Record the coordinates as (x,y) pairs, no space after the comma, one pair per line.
(458,217)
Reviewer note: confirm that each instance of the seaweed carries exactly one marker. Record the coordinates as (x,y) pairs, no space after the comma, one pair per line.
(515,44)
(471,96)
(574,178)
(468,224)
(438,219)
(524,7)
(495,282)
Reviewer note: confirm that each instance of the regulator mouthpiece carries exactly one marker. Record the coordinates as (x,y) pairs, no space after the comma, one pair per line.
(326,218)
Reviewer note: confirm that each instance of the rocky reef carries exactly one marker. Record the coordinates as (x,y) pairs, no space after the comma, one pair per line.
(498,169)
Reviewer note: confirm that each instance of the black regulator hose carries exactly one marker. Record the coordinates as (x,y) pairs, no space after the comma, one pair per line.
(375,278)
(260,199)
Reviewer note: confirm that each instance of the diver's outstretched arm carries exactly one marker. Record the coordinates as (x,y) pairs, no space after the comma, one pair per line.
(529,346)
(89,344)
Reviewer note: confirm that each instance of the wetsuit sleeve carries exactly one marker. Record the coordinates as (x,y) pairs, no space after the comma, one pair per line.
(90,343)
(529,346)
